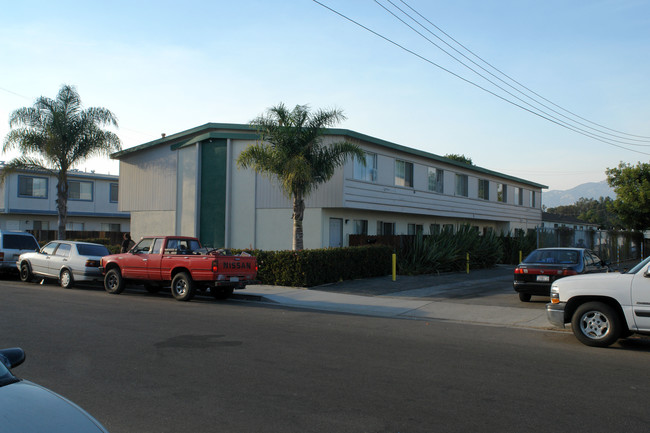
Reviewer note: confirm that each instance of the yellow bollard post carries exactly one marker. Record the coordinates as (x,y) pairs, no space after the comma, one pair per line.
(468,263)
(394,267)
(520,253)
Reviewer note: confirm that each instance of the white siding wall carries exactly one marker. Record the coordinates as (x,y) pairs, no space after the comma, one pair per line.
(148,180)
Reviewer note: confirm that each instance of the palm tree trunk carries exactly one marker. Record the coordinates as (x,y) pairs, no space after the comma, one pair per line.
(62,202)
(298,214)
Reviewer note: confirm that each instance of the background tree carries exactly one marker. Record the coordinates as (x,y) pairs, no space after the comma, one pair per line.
(591,211)
(632,187)
(56,134)
(290,149)
(460,158)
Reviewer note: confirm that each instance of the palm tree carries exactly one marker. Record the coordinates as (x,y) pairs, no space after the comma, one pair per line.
(290,149)
(56,134)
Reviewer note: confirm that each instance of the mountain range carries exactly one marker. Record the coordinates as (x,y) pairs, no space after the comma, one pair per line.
(595,190)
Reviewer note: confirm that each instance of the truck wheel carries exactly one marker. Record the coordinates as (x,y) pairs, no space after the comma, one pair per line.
(26,272)
(221,293)
(524,297)
(65,279)
(596,324)
(113,282)
(183,287)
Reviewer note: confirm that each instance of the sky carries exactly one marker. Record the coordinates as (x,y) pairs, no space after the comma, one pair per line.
(165,67)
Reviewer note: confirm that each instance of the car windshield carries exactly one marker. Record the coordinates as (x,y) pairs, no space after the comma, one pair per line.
(639,266)
(19,242)
(92,250)
(553,257)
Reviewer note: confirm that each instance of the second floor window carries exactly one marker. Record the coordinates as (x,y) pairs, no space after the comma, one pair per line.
(461,185)
(436,177)
(533,199)
(80,190)
(113,193)
(30,186)
(403,173)
(366,172)
(519,196)
(502,192)
(484,189)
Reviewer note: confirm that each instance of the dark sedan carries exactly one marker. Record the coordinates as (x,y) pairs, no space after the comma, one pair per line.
(536,273)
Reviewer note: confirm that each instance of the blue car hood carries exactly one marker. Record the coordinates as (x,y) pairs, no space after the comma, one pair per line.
(29,408)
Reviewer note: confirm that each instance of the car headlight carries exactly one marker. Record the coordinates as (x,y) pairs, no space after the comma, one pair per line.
(555,294)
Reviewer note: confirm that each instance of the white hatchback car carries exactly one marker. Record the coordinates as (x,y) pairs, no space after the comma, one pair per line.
(65,261)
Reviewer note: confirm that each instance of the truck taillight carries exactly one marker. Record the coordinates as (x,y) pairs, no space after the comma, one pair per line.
(2,257)
(215,266)
(92,263)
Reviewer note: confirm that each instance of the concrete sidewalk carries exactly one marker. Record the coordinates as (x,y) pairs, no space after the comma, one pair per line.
(420,297)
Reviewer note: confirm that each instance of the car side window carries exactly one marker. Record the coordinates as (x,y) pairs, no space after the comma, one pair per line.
(63,250)
(157,246)
(49,248)
(143,247)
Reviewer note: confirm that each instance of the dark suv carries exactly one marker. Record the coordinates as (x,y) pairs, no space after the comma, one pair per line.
(12,245)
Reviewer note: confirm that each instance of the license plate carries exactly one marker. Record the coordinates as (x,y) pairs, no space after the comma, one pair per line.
(234,279)
(543,278)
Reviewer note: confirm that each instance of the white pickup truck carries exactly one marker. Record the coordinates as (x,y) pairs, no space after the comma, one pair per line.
(603,307)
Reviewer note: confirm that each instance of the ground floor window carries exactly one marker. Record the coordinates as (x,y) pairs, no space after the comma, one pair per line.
(414,229)
(360,227)
(385,228)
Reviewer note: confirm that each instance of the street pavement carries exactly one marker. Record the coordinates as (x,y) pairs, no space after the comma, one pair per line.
(448,296)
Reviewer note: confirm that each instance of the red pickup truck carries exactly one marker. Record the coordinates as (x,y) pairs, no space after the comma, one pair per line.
(181,262)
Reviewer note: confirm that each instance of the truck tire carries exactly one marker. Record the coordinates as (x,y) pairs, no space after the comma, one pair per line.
(221,293)
(113,282)
(596,324)
(183,287)
(26,272)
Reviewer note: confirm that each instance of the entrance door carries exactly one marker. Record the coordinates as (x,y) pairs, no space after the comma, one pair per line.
(336,232)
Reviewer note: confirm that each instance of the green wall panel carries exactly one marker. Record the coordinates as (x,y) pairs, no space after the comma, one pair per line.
(212,223)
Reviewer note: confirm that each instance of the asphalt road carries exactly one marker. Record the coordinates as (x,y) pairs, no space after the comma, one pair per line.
(147,363)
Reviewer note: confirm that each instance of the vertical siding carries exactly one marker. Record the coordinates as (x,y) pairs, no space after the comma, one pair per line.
(148,181)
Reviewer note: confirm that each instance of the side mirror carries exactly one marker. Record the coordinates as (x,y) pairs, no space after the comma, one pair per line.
(12,357)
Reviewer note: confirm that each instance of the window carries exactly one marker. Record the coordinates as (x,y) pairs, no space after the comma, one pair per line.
(114,192)
(74,227)
(29,186)
(415,229)
(484,189)
(63,250)
(533,199)
(461,185)
(502,192)
(449,228)
(41,225)
(403,173)
(110,227)
(367,172)
(49,248)
(385,229)
(519,196)
(434,229)
(360,227)
(436,179)
(80,190)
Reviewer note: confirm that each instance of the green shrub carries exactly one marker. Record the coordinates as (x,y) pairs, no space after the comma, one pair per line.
(309,268)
